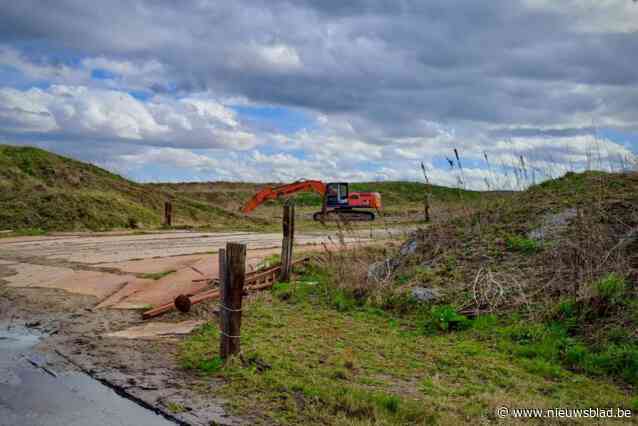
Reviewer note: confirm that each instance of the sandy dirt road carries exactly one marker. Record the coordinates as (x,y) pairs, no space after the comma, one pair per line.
(125,271)
(82,294)
(94,250)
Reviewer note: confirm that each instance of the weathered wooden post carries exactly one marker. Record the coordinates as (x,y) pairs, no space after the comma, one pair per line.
(232,289)
(168,213)
(221,257)
(288,240)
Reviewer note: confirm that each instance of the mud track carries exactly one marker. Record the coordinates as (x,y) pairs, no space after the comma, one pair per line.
(54,284)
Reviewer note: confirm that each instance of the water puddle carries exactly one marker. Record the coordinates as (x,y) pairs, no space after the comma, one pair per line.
(33,394)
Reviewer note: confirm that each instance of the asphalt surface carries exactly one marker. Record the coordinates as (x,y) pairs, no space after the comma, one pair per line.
(33,395)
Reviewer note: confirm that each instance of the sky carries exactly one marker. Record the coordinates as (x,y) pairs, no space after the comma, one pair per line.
(363,90)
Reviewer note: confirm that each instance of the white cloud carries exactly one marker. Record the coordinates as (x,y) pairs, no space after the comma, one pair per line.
(26,111)
(594,15)
(126,75)
(279,56)
(268,58)
(56,73)
(81,111)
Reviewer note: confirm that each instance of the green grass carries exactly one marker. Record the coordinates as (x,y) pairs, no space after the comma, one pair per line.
(550,346)
(25,232)
(306,361)
(522,244)
(612,289)
(156,275)
(175,407)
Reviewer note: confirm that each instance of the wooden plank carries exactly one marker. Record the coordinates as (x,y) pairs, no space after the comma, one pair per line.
(254,281)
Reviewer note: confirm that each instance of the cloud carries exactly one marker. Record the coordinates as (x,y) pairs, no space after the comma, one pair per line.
(74,112)
(387,83)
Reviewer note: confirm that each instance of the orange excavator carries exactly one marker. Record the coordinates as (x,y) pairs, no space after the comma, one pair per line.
(338,202)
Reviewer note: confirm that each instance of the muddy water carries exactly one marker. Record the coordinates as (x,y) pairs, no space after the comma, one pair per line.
(32,394)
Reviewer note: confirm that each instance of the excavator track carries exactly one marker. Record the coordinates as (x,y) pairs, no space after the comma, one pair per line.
(345,215)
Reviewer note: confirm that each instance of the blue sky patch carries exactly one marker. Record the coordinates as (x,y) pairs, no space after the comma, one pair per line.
(274,118)
(141,95)
(102,74)
(628,140)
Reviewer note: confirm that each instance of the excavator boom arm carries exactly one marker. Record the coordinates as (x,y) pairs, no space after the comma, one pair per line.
(271,193)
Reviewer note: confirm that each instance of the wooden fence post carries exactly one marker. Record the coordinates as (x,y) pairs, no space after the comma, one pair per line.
(221,257)
(426,206)
(232,290)
(168,213)
(288,240)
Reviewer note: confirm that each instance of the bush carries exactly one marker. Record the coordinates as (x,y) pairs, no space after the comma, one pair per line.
(282,291)
(446,318)
(389,402)
(342,301)
(617,360)
(211,365)
(611,289)
(522,244)
(546,346)
(576,355)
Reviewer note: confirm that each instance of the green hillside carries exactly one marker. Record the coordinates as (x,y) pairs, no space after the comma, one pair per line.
(394,193)
(41,190)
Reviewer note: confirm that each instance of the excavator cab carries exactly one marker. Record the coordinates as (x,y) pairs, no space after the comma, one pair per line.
(337,195)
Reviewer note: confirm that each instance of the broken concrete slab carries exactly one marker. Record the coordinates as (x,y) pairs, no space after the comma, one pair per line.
(164,290)
(90,283)
(118,298)
(143,293)
(28,275)
(155,265)
(154,330)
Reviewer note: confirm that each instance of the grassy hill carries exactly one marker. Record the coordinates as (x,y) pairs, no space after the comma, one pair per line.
(548,275)
(41,190)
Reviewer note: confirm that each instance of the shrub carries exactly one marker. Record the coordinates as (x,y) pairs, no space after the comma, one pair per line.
(446,318)
(282,291)
(618,360)
(522,244)
(576,355)
(567,314)
(389,402)
(343,302)
(611,288)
